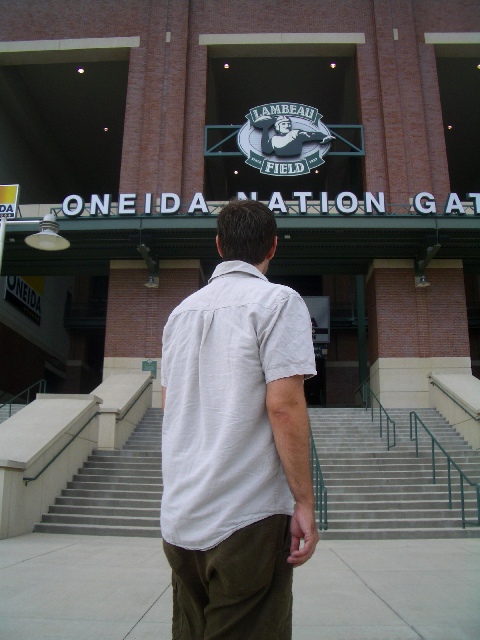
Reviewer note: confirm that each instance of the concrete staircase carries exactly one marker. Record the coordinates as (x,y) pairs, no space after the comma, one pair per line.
(374,493)
(5,411)
(116,493)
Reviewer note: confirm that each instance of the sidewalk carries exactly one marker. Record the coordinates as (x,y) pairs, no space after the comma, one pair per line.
(61,587)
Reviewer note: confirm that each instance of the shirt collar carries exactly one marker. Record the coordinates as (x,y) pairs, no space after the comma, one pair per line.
(236,266)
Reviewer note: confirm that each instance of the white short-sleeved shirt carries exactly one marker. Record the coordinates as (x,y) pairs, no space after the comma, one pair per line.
(221,347)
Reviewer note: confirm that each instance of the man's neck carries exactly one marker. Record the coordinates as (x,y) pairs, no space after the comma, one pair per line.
(263,266)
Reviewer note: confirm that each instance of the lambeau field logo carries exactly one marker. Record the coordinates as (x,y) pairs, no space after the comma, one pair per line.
(284,139)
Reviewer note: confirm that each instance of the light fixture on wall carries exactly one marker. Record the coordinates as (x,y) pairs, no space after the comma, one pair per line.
(152,266)
(47,239)
(421,282)
(421,264)
(152,282)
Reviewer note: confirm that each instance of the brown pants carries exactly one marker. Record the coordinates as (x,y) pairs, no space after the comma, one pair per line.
(239,590)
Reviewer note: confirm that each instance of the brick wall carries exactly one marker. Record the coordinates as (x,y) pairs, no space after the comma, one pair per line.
(136,314)
(165,115)
(406,322)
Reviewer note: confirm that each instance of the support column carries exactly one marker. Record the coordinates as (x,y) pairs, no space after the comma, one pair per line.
(362,330)
(400,106)
(412,331)
(136,314)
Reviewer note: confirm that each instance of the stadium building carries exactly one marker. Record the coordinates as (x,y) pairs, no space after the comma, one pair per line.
(133,122)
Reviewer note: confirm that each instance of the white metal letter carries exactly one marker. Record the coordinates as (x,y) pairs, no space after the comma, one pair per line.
(78,206)
(302,195)
(164,208)
(427,207)
(276,202)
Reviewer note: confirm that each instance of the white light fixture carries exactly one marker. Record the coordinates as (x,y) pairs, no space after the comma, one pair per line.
(421,282)
(333,65)
(47,239)
(80,70)
(226,65)
(152,282)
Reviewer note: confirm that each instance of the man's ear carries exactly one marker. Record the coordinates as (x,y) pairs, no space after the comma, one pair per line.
(219,248)
(271,253)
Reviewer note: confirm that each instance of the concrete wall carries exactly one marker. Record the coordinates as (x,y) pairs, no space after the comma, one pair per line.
(28,441)
(457,398)
(32,438)
(403,382)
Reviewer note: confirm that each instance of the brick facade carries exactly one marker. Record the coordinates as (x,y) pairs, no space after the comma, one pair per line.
(407,322)
(399,108)
(398,90)
(136,314)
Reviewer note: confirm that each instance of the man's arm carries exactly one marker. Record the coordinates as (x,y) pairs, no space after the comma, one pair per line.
(287,411)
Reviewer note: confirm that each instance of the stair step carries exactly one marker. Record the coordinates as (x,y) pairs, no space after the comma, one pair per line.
(112,473)
(120,510)
(104,520)
(108,493)
(97,530)
(399,534)
(133,503)
(105,486)
(411,515)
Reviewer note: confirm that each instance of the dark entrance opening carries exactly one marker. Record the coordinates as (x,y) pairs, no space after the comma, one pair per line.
(236,84)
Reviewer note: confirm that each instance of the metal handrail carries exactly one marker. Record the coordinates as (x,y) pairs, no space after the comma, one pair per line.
(450,397)
(42,385)
(320,490)
(27,480)
(368,397)
(463,477)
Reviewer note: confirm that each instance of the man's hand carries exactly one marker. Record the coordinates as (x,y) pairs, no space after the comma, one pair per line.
(302,527)
(287,412)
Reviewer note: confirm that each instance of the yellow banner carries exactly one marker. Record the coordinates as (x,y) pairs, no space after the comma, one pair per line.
(8,199)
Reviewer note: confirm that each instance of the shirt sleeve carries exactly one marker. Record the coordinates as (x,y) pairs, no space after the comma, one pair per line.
(285,341)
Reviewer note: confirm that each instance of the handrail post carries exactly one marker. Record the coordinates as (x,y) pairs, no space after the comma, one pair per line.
(416,436)
(449,484)
(368,392)
(462,498)
(318,485)
(433,462)
(477,486)
(324,493)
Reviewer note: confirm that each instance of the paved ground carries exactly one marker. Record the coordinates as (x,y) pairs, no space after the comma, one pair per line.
(61,587)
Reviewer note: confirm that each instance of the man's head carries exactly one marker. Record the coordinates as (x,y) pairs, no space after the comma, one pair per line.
(246,230)
(283,125)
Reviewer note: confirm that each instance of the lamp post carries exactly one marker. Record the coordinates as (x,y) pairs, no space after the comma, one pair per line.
(47,239)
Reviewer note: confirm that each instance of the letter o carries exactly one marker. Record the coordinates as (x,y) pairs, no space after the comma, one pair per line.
(77,210)
(341,208)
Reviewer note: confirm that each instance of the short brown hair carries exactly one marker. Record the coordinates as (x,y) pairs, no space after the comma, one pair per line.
(246,230)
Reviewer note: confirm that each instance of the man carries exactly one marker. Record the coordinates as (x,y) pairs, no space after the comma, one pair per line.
(286,141)
(235,442)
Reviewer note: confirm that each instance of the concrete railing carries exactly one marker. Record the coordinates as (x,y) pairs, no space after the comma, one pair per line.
(126,397)
(45,444)
(457,397)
